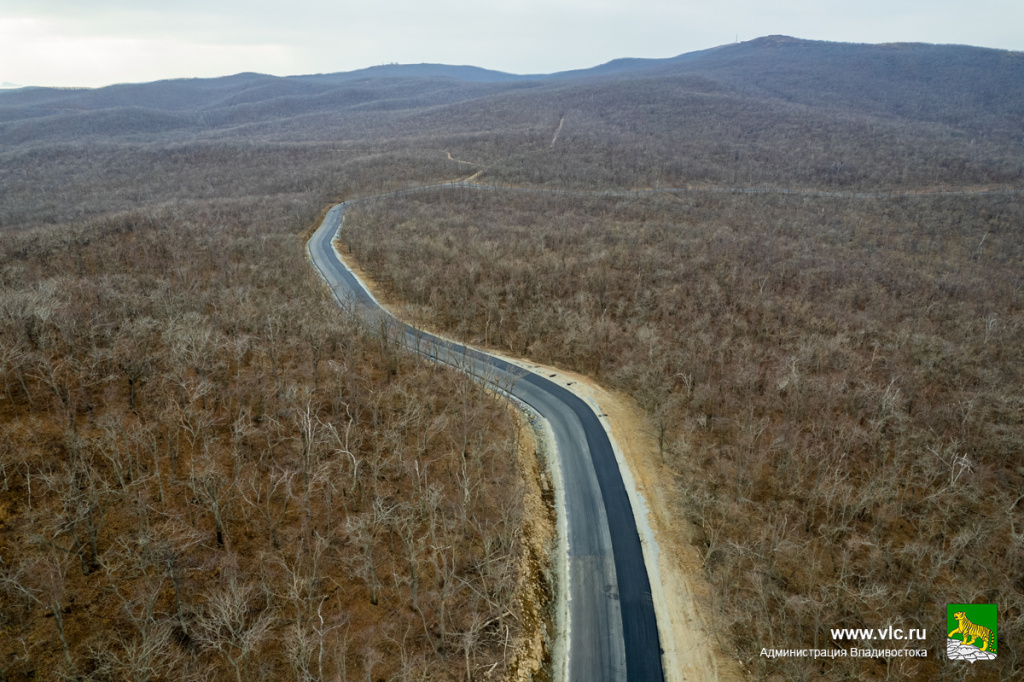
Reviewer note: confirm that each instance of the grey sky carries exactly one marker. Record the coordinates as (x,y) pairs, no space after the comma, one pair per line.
(97,42)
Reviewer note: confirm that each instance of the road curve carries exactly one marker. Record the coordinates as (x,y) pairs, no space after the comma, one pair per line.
(612,633)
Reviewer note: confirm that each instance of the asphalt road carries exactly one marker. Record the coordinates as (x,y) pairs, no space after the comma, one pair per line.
(613,634)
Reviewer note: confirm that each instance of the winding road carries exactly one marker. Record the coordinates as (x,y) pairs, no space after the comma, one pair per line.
(612,634)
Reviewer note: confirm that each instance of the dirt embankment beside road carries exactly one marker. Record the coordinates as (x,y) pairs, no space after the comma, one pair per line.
(694,650)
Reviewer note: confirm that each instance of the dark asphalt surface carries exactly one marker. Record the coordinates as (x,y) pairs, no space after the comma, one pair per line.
(613,634)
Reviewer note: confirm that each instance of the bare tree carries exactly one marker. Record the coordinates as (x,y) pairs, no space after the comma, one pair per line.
(168,548)
(268,494)
(150,651)
(414,548)
(306,638)
(363,530)
(216,492)
(132,354)
(83,495)
(233,624)
(44,582)
(141,658)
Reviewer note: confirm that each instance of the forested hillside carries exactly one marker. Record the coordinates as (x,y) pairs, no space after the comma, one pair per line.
(208,472)
(831,383)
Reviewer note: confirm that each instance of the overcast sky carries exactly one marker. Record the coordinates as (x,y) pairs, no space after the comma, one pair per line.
(98,42)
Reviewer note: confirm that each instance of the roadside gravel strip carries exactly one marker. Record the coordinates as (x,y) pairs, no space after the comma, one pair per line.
(612,630)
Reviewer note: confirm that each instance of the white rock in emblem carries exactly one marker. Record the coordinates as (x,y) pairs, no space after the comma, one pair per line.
(958,651)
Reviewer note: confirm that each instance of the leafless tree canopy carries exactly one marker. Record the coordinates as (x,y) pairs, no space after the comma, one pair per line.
(833,383)
(209,472)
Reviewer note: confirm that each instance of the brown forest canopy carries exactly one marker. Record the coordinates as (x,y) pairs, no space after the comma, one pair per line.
(833,382)
(769,111)
(174,381)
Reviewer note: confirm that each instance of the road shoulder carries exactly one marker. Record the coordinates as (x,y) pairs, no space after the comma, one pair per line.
(692,650)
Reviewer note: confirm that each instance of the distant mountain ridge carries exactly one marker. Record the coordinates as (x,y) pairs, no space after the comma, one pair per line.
(712,58)
(977,91)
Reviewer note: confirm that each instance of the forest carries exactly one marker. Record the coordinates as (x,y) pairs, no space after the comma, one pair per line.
(203,478)
(831,382)
(210,472)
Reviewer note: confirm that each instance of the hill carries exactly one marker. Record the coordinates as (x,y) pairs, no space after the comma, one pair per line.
(832,378)
(978,89)
(774,110)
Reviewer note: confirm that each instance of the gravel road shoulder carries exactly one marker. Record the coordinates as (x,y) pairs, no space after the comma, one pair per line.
(693,650)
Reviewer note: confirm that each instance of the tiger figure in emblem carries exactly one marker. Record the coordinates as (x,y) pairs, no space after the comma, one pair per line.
(970,631)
